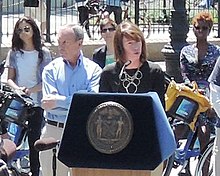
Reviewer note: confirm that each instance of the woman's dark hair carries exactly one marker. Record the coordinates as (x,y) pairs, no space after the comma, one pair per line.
(18,44)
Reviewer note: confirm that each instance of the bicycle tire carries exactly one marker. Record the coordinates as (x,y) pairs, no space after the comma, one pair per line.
(93,22)
(168,165)
(203,159)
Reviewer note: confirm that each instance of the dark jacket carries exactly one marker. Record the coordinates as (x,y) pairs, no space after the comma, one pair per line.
(152,80)
(99,56)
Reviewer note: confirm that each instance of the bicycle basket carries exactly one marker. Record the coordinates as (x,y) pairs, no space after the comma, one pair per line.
(93,7)
(184,108)
(14,109)
(185,103)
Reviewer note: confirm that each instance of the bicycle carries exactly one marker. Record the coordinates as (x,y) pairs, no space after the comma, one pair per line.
(187,144)
(15,110)
(98,12)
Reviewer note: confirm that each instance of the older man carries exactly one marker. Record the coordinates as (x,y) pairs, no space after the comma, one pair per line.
(64,76)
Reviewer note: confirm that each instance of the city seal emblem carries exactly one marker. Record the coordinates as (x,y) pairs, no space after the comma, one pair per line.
(109,127)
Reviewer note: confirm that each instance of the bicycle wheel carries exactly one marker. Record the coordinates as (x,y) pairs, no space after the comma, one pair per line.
(206,159)
(93,24)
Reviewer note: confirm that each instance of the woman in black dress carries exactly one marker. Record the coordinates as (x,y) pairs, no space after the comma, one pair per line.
(132,72)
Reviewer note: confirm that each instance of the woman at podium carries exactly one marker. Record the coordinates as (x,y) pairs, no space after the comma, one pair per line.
(132,72)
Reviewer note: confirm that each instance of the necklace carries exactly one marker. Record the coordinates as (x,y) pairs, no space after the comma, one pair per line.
(130,83)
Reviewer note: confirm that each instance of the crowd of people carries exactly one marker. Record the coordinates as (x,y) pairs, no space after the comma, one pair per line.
(120,66)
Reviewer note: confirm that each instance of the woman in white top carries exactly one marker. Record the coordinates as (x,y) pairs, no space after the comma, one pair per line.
(25,62)
(214,80)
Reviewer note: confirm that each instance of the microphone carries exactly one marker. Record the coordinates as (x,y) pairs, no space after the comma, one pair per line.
(124,66)
(127,63)
(45,144)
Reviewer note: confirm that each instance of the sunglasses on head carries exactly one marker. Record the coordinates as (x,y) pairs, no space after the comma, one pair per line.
(107,29)
(25,29)
(204,28)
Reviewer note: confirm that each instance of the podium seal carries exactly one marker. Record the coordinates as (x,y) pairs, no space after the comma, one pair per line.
(109,127)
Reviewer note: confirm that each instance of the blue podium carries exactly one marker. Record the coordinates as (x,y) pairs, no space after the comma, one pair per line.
(116,131)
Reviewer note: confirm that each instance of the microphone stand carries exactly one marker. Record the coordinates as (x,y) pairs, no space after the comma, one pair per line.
(122,69)
(47,144)
(54,162)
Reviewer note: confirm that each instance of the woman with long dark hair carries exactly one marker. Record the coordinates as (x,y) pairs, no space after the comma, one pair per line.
(25,62)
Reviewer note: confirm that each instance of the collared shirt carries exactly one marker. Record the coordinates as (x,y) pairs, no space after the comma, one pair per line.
(62,80)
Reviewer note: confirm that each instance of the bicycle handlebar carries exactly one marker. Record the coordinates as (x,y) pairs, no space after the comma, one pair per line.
(17,93)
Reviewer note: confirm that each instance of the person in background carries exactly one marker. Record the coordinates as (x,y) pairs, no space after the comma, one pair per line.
(25,62)
(132,72)
(115,7)
(39,14)
(83,10)
(197,61)
(214,80)
(207,4)
(64,4)
(65,75)
(105,54)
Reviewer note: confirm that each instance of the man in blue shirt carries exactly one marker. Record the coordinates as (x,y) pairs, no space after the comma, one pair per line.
(64,76)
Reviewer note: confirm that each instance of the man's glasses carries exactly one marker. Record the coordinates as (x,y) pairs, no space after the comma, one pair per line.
(107,29)
(204,28)
(25,29)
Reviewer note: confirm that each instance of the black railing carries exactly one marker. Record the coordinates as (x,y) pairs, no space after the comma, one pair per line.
(60,12)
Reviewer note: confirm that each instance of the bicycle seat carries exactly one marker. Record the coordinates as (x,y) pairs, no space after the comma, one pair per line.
(46,143)
(8,150)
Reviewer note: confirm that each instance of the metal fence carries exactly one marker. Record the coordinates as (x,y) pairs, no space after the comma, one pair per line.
(59,12)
